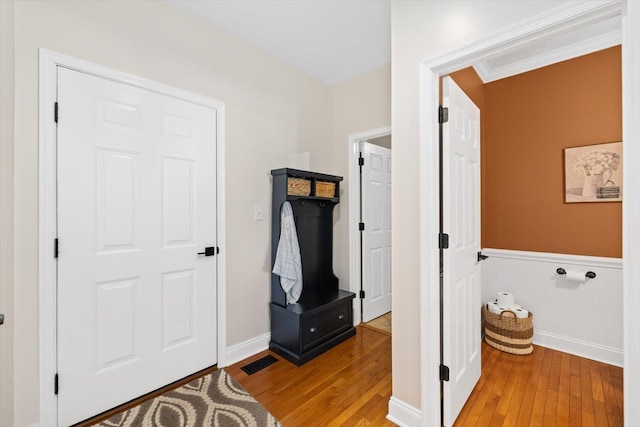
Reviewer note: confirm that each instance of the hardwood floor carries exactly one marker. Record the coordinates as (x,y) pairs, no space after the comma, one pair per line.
(548,388)
(349,385)
(382,323)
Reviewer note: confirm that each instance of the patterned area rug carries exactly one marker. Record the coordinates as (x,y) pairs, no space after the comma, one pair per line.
(213,400)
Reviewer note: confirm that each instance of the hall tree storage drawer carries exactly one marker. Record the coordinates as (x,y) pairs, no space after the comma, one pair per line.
(323,316)
(299,333)
(318,327)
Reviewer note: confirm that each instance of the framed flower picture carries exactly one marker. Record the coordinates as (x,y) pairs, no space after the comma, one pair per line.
(593,173)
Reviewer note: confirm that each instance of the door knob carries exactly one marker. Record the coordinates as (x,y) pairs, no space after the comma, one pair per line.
(208,251)
(1,319)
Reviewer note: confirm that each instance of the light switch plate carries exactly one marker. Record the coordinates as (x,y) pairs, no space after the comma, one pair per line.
(257,213)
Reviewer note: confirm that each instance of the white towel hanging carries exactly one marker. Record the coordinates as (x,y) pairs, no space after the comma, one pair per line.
(288,264)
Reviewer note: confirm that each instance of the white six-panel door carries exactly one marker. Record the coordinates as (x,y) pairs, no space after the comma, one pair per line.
(461,216)
(376,238)
(136,203)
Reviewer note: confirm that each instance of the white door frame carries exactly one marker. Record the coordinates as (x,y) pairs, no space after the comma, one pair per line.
(47,265)
(354,211)
(558,20)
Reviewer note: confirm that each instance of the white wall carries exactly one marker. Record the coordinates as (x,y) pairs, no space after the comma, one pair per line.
(359,104)
(6,211)
(631,207)
(272,110)
(419,31)
(582,319)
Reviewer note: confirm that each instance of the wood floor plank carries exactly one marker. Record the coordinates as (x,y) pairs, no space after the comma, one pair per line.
(351,398)
(348,385)
(275,383)
(575,393)
(367,407)
(614,411)
(486,417)
(597,393)
(542,391)
(478,407)
(616,378)
(524,414)
(489,359)
(546,388)
(515,404)
(553,391)
(564,383)
(508,391)
(588,414)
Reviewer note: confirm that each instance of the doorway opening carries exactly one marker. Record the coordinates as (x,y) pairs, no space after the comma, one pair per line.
(509,106)
(370,226)
(572,17)
(375,231)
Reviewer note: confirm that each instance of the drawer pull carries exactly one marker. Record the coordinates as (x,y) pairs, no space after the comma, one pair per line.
(341,317)
(312,330)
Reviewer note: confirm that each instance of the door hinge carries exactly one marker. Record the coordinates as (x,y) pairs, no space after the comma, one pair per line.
(444,373)
(361,294)
(55,112)
(360,160)
(55,384)
(443,114)
(361,226)
(56,248)
(444,241)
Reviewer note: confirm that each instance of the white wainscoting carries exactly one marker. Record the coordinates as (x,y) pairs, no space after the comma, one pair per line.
(582,319)
(245,349)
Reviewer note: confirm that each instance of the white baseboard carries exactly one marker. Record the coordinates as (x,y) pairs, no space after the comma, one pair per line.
(243,350)
(600,353)
(403,414)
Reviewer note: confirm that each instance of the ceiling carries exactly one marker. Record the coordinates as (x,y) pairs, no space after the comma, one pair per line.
(332,40)
(335,40)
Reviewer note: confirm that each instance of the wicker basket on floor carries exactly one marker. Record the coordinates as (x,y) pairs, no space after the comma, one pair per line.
(507,333)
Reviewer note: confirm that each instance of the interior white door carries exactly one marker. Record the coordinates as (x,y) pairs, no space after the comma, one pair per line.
(461,220)
(376,237)
(136,203)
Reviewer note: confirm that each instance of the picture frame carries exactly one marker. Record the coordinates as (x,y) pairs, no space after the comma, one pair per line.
(593,173)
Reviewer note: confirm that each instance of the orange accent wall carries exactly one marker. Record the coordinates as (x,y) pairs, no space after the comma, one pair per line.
(472,85)
(527,121)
